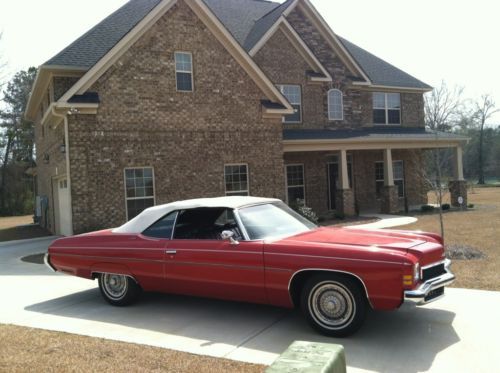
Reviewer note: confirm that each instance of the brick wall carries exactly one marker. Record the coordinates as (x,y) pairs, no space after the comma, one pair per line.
(357,103)
(186,137)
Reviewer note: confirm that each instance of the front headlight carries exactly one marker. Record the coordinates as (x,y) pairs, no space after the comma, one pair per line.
(416,272)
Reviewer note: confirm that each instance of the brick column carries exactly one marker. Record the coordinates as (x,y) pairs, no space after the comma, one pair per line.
(389,199)
(344,196)
(344,202)
(458,187)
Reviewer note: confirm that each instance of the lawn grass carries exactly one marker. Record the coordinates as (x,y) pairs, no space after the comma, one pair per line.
(34,350)
(20,228)
(479,228)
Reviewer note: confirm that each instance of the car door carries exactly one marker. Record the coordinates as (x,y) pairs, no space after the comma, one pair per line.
(199,262)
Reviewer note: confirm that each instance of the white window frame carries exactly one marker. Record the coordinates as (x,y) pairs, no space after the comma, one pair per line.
(295,186)
(183,71)
(281,89)
(331,106)
(137,198)
(394,176)
(386,108)
(235,192)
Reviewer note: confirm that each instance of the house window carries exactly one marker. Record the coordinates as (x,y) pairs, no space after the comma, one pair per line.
(184,71)
(139,190)
(236,179)
(295,183)
(294,96)
(386,108)
(399,178)
(335,105)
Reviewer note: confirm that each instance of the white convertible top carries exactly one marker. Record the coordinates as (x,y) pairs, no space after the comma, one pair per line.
(152,214)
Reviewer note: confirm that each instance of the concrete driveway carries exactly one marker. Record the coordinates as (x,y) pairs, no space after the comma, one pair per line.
(457,334)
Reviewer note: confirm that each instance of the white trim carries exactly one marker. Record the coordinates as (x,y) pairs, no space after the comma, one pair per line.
(367,144)
(295,186)
(232,193)
(184,71)
(137,198)
(390,88)
(341,104)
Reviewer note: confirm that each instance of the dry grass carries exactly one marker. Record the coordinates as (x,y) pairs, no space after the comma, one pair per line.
(14,221)
(478,228)
(33,350)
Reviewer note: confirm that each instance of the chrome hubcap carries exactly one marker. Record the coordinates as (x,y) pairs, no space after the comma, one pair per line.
(332,304)
(115,286)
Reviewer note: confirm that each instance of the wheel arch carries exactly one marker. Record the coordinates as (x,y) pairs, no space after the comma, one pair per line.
(300,277)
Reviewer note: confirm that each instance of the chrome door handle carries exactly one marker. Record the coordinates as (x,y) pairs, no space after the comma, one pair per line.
(171,252)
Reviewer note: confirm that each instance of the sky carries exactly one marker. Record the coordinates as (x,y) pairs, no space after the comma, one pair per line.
(455,41)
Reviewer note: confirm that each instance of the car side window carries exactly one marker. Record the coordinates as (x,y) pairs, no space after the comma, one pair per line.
(162,228)
(205,224)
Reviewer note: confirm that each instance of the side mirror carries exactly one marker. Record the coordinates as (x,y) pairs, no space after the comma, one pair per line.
(228,235)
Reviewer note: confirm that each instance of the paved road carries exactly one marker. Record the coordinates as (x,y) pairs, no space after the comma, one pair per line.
(457,334)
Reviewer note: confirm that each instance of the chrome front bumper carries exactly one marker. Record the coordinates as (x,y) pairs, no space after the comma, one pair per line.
(46,260)
(432,289)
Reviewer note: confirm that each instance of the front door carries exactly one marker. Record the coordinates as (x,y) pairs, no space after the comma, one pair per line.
(199,262)
(333,179)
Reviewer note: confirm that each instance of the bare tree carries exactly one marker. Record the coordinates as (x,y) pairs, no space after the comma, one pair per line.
(442,112)
(3,67)
(483,110)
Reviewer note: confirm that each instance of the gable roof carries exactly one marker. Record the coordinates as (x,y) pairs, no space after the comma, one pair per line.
(89,48)
(246,20)
(380,72)
(239,16)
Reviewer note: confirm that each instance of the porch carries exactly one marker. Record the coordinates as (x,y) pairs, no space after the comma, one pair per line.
(365,170)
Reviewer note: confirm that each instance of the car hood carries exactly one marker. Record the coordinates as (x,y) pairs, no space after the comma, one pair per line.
(417,243)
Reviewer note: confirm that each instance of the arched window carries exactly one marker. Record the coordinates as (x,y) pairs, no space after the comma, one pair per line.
(335,105)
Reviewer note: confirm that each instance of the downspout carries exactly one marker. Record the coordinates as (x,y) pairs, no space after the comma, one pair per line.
(68,176)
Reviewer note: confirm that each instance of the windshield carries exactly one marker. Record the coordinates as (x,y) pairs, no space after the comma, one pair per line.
(273,220)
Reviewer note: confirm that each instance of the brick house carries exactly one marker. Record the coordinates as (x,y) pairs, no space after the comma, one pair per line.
(173,99)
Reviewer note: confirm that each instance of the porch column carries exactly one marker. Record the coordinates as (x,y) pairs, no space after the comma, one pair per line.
(345,195)
(389,197)
(458,186)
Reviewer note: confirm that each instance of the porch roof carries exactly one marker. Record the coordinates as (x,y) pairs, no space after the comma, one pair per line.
(368,138)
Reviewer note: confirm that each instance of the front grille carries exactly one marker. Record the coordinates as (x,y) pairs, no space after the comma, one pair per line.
(434,294)
(434,271)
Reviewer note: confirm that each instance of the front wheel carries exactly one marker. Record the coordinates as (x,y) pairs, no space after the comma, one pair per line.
(118,290)
(335,305)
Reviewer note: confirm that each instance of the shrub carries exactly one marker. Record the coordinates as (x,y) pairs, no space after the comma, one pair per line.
(339,215)
(305,211)
(445,206)
(427,208)
(470,206)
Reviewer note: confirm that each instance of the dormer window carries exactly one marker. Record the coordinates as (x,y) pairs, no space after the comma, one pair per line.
(294,96)
(335,105)
(386,108)
(184,71)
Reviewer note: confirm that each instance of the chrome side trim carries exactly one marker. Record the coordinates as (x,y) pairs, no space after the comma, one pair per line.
(113,273)
(418,295)
(46,260)
(337,258)
(328,270)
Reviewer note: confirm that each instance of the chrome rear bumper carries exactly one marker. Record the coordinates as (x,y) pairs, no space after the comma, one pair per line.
(46,260)
(432,289)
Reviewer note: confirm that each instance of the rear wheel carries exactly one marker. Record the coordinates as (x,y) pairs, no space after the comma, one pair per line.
(333,304)
(118,290)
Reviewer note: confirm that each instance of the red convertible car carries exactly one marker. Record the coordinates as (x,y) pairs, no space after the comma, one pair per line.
(259,250)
